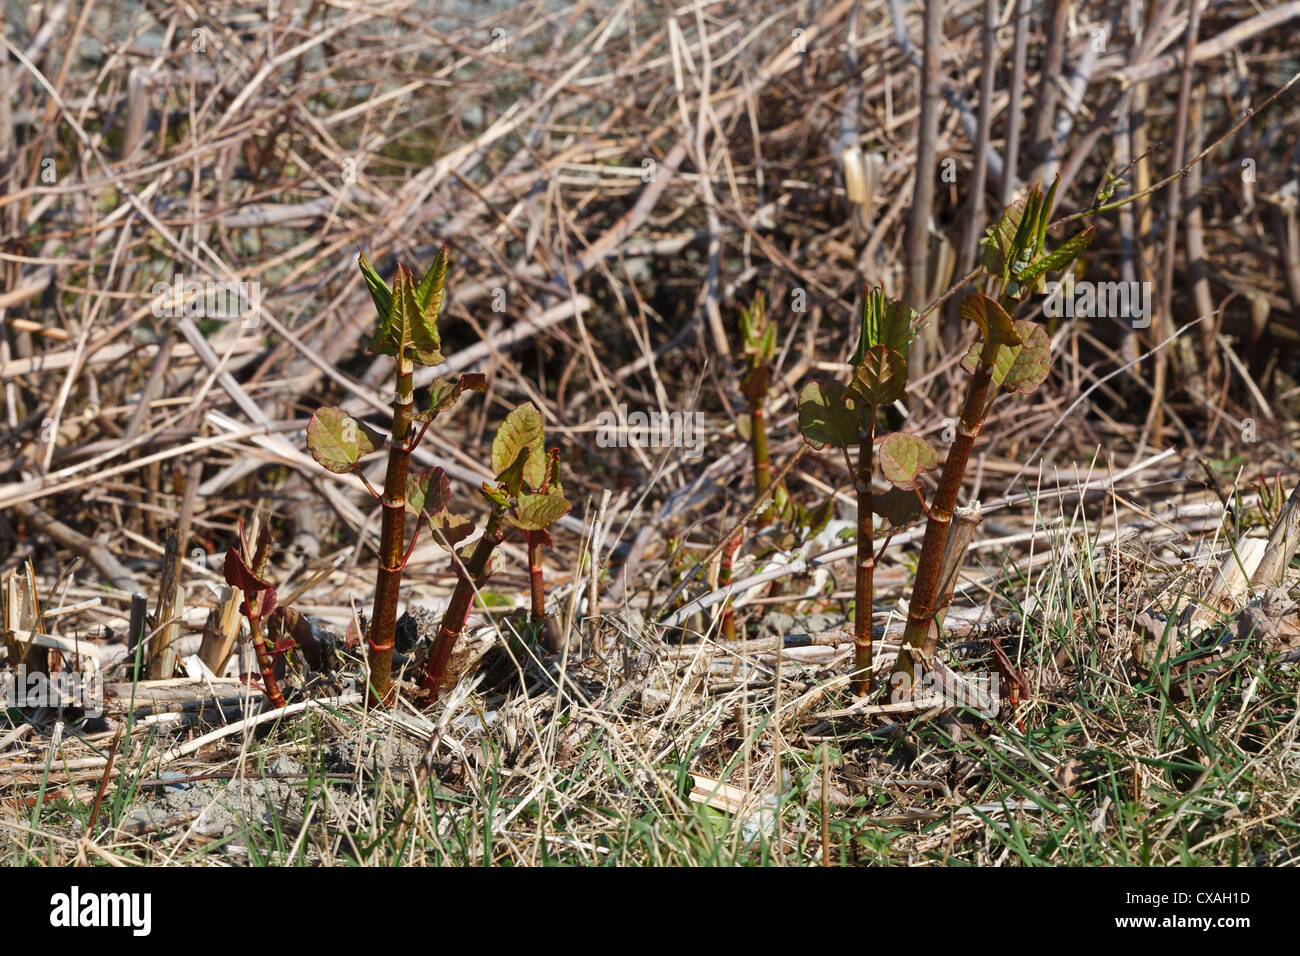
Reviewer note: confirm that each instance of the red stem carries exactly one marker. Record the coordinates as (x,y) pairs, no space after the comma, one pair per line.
(864,584)
(724,579)
(925,592)
(762,461)
(472,577)
(533,540)
(253,603)
(388,583)
(265,663)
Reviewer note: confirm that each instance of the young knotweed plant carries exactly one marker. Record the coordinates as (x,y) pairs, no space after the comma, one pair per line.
(758,336)
(536,510)
(758,345)
(1012,356)
(526,495)
(408,331)
(259,601)
(841,416)
(796,524)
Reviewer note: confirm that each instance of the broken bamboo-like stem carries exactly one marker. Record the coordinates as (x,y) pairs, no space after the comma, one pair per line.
(162,649)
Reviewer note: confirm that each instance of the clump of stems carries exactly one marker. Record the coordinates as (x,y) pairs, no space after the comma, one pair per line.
(526,495)
(1012,356)
(408,331)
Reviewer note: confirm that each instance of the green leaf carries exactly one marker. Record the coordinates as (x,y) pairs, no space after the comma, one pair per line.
(999,251)
(443,394)
(903,458)
(429,293)
(1058,260)
(428,493)
(820,516)
(521,428)
(999,340)
(407,332)
(880,377)
(379,291)
(536,512)
(510,481)
(1033,362)
(886,322)
(338,441)
(829,415)
(498,495)
(758,334)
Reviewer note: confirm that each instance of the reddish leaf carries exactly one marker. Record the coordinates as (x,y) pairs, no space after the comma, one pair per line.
(443,394)
(240,575)
(881,376)
(536,512)
(338,441)
(1033,363)
(521,429)
(904,457)
(428,493)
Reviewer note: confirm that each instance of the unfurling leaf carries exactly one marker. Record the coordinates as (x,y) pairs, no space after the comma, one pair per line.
(510,481)
(758,334)
(829,415)
(551,484)
(536,512)
(999,251)
(1058,260)
(266,605)
(444,392)
(903,458)
(379,290)
(880,377)
(1000,341)
(428,493)
(886,322)
(754,385)
(521,428)
(338,441)
(287,626)
(240,575)
(1033,362)
(407,332)
(430,290)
